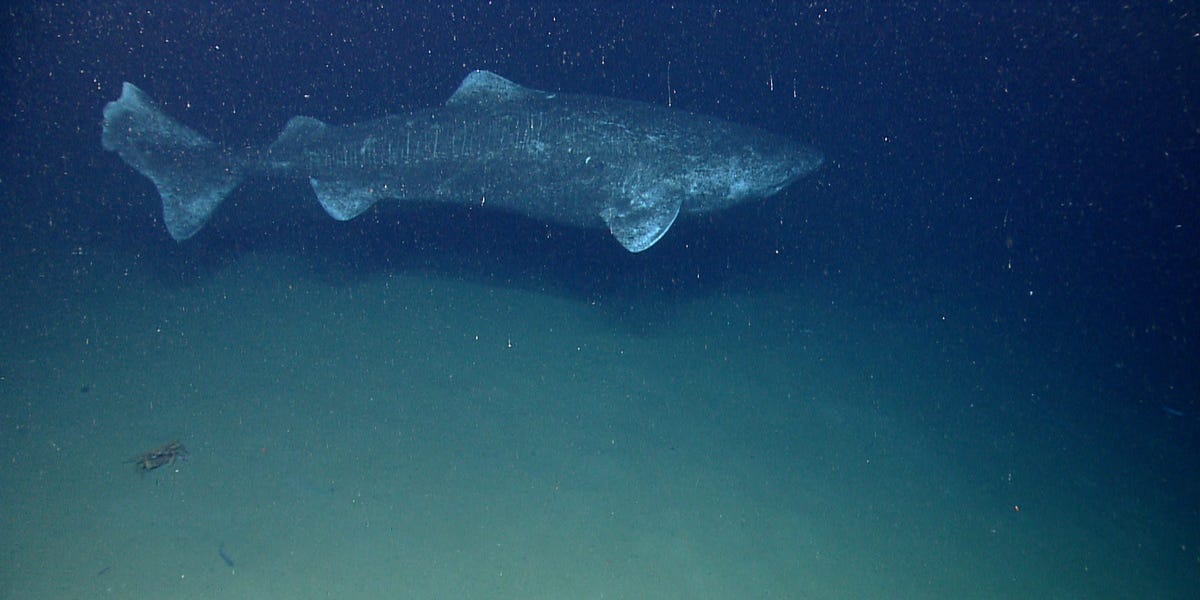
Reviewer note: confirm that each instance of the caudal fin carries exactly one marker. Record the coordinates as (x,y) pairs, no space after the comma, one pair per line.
(193,175)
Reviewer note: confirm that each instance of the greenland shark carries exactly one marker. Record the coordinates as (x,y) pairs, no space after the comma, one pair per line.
(580,160)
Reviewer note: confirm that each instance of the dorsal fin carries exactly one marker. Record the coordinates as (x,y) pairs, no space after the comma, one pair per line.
(486,87)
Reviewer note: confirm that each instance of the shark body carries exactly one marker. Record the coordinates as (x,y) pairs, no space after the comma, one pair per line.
(582,160)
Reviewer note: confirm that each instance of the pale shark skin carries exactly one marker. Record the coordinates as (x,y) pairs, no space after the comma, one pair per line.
(585,161)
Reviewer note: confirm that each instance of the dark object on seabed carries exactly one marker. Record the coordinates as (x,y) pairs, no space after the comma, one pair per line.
(163,455)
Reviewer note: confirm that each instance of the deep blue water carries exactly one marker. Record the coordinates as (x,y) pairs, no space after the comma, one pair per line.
(994,151)
(1028,168)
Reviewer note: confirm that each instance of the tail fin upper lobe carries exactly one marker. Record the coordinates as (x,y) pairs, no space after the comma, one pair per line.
(193,175)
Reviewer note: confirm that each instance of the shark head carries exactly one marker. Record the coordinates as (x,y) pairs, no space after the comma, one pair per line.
(697,174)
(746,171)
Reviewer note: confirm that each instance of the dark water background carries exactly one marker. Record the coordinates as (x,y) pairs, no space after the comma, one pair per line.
(1035,162)
(1025,173)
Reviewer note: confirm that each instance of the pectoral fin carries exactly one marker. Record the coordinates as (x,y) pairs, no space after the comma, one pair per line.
(642,220)
(343,201)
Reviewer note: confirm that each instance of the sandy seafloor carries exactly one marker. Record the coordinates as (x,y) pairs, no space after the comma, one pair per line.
(409,435)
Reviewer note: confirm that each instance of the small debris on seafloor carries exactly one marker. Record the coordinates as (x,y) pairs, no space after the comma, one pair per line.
(166,454)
